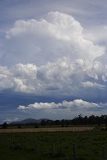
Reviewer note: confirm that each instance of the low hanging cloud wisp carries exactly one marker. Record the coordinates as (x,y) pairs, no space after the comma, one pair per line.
(73,105)
(68,108)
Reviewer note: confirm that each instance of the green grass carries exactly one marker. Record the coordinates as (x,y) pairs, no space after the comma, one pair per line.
(53,146)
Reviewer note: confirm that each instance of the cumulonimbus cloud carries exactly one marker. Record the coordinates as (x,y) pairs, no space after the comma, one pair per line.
(51,56)
(54,57)
(54,36)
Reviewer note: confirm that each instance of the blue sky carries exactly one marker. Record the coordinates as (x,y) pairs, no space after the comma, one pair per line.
(53,60)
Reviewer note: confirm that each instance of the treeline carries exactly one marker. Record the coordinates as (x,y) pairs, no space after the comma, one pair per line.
(79,120)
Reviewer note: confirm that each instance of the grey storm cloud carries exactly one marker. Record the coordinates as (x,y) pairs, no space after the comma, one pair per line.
(62,77)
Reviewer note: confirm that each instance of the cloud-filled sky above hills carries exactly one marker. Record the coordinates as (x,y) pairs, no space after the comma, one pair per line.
(53,59)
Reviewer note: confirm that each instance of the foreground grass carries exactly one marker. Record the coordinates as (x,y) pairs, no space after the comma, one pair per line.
(53,146)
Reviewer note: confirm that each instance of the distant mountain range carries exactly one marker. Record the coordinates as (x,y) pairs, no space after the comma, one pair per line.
(28,121)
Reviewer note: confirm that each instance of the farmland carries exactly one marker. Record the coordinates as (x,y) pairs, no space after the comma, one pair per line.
(88,145)
(47,129)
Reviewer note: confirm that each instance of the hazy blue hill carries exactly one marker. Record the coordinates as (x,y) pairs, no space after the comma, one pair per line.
(28,121)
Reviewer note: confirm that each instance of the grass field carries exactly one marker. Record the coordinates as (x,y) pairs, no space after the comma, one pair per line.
(90,145)
(47,129)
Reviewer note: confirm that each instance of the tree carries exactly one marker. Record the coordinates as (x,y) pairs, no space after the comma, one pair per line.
(4,125)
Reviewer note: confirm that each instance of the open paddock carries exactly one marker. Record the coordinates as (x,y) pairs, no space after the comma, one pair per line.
(56,129)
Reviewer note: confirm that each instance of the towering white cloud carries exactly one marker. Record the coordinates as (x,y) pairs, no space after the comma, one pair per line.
(55,57)
(51,56)
(41,41)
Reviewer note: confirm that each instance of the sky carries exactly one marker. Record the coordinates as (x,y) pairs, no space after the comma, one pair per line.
(53,59)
